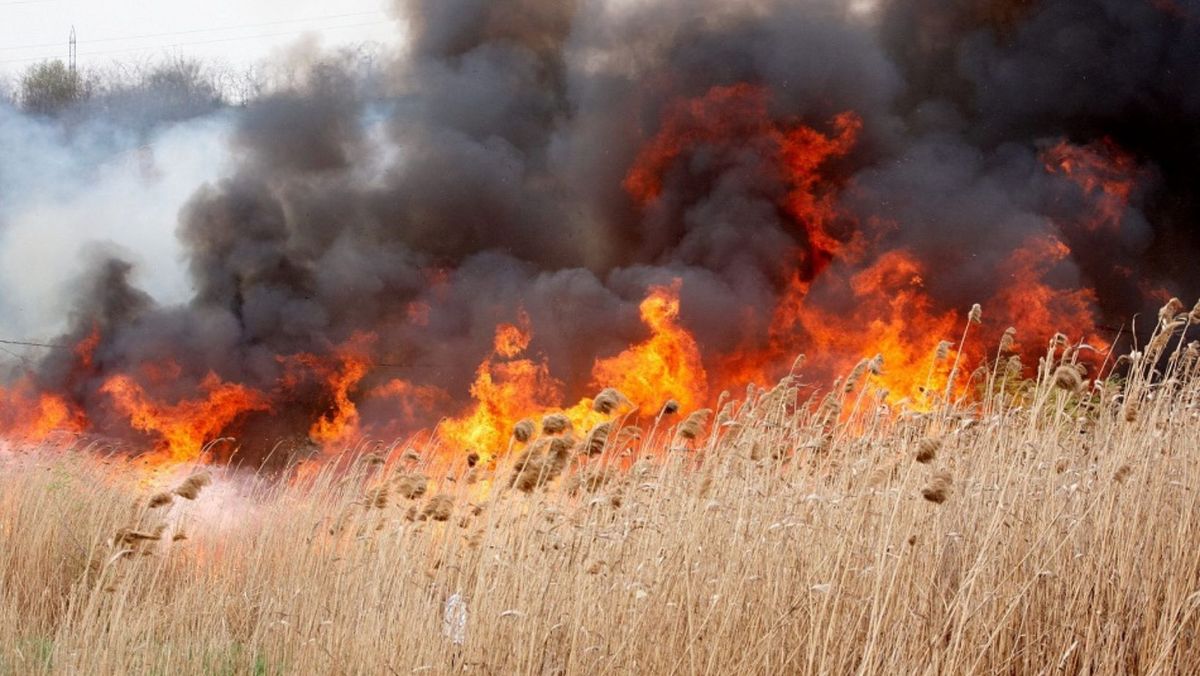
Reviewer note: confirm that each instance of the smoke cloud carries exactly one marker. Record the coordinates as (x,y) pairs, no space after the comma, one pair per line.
(486,177)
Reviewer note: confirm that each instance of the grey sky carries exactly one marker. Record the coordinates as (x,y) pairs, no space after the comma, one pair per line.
(232,31)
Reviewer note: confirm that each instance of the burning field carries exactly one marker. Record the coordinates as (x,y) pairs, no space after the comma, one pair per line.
(757,337)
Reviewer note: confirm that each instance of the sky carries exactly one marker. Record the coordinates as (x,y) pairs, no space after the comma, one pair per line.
(233,32)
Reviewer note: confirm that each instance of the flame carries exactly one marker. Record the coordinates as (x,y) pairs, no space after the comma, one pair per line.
(507,388)
(30,416)
(184,427)
(1037,310)
(738,118)
(666,365)
(842,300)
(341,421)
(1106,174)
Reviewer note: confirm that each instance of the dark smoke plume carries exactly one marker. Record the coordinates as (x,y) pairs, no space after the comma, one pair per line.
(485,176)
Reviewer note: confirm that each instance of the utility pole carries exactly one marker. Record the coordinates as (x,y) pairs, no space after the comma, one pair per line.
(74,52)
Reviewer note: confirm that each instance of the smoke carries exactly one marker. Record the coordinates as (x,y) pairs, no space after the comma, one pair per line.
(67,192)
(486,176)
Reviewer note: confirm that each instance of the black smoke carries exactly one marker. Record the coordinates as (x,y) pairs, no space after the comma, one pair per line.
(483,176)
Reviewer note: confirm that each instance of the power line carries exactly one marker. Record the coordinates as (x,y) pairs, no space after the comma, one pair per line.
(44,45)
(27,343)
(203,42)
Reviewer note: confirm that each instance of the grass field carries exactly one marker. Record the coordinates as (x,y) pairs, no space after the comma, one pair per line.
(1048,526)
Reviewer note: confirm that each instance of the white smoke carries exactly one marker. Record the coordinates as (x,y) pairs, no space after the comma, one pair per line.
(66,191)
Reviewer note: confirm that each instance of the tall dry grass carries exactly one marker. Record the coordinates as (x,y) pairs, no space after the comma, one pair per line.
(1050,526)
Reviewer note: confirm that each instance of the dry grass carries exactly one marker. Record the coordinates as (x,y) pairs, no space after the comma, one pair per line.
(1042,530)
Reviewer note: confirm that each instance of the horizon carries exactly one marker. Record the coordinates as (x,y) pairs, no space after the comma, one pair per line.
(222,32)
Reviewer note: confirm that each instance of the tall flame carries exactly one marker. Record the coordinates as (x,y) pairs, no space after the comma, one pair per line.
(666,365)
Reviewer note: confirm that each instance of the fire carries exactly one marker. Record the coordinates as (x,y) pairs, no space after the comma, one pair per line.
(1106,174)
(842,298)
(342,419)
(184,427)
(1035,308)
(507,388)
(737,118)
(30,416)
(666,365)
(882,309)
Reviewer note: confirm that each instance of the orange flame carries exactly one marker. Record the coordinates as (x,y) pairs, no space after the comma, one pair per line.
(1106,174)
(184,427)
(738,116)
(30,416)
(506,389)
(665,366)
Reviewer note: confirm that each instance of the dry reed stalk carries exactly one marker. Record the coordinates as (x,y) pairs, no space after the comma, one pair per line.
(523,430)
(939,488)
(927,449)
(555,423)
(609,400)
(410,486)
(191,487)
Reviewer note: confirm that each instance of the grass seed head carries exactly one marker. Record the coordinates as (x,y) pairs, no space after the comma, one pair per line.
(523,431)
(1168,312)
(693,426)
(1013,368)
(160,500)
(596,439)
(555,423)
(608,400)
(191,487)
(1122,473)
(1067,377)
(439,507)
(1008,340)
(943,350)
(927,449)
(938,489)
(376,498)
(410,486)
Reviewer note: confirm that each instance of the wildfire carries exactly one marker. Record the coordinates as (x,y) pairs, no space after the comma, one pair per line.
(737,118)
(184,427)
(507,388)
(1104,172)
(842,298)
(31,416)
(666,365)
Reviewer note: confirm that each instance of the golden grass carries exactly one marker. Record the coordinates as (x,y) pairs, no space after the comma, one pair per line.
(1043,529)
